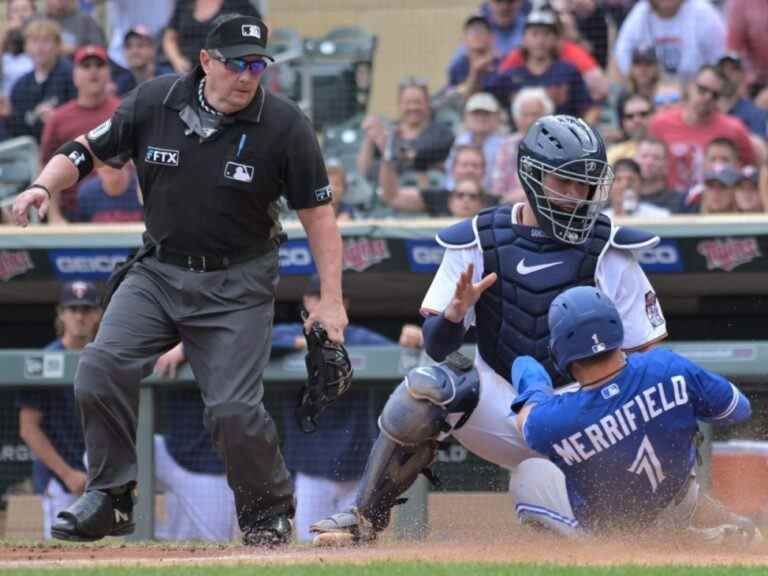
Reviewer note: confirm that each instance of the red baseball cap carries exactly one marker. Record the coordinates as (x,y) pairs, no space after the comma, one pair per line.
(90,51)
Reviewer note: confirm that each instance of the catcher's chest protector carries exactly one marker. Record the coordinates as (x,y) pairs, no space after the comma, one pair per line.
(532,270)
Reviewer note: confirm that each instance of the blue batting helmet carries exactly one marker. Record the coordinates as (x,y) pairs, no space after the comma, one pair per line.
(583,322)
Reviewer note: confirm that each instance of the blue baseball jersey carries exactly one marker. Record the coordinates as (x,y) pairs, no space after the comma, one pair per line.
(60,423)
(627,448)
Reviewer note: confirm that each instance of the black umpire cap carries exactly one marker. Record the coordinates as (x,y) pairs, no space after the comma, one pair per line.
(237,36)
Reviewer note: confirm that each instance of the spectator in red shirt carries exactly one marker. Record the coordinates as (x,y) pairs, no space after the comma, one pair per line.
(92,106)
(748,35)
(687,128)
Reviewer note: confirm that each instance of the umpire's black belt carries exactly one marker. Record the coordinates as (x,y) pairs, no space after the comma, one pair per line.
(209,263)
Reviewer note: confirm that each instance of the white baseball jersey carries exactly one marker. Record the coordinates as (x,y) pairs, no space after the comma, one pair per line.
(489,432)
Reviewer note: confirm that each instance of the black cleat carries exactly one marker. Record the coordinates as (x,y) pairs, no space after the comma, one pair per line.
(95,515)
(270,533)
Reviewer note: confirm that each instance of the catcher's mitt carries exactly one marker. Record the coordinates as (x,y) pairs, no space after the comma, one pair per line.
(329,375)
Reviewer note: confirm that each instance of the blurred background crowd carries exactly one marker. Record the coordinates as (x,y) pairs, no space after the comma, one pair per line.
(679,88)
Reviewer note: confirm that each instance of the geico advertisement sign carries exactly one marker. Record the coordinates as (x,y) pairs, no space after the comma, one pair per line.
(91,264)
(424,255)
(296,258)
(664,257)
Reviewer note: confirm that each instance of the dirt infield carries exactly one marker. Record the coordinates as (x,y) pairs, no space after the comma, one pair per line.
(512,547)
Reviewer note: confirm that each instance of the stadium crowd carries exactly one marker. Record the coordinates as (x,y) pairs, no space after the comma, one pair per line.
(679,88)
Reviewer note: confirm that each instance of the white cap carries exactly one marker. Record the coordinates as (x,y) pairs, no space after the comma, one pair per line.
(482,101)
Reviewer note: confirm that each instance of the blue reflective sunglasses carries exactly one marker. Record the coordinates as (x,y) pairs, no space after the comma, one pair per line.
(238,65)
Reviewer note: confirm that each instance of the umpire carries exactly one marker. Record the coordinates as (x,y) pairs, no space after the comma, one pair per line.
(214,150)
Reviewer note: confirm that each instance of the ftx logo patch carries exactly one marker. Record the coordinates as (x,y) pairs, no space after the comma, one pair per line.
(161,156)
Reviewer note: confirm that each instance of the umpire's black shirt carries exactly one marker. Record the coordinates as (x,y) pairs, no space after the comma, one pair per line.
(215,195)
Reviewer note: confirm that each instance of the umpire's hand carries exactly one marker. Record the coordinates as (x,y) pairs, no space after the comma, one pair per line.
(168,364)
(31,197)
(332,316)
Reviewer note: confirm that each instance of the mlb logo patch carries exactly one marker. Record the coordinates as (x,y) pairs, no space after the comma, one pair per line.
(161,156)
(238,172)
(609,391)
(251,31)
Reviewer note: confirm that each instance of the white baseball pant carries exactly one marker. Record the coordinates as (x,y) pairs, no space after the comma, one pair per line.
(197,506)
(319,498)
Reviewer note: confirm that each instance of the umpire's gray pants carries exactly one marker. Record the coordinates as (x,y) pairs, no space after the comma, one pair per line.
(224,318)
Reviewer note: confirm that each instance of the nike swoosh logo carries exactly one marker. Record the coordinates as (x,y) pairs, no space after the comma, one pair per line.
(525,270)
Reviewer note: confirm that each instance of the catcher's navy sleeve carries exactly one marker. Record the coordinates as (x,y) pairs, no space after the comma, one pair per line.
(441,336)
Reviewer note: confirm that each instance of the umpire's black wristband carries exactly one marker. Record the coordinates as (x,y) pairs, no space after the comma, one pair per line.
(79,155)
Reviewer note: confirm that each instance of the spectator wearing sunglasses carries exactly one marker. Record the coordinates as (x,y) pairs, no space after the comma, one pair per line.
(468,164)
(734,99)
(687,128)
(466,199)
(634,113)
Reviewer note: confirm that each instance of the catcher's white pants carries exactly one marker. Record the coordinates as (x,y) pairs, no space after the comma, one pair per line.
(54,500)
(319,498)
(540,493)
(490,432)
(197,506)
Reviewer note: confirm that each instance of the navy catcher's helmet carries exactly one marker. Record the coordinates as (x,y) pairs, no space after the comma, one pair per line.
(569,149)
(583,322)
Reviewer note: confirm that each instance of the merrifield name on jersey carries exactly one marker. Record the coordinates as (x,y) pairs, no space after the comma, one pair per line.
(612,428)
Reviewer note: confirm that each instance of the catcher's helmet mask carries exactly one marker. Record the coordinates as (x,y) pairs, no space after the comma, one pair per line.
(568,148)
